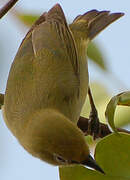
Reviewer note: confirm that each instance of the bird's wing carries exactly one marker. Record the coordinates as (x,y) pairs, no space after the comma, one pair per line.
(40,20)
(54,35)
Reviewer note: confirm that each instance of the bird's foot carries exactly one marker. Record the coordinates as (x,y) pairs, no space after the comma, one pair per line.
(94,128)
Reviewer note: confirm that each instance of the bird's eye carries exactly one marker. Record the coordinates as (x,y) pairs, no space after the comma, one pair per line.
(60,159)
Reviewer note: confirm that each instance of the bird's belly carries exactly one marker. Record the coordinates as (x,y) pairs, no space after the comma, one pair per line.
(40,88)
(32,90)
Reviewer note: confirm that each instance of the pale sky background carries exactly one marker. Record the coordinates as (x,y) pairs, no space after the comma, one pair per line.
(15,162)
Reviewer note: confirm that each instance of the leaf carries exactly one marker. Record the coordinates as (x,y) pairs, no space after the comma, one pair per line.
(95,54)
(122,116)
(82,173)
(120,99)
(27,19)
(111,154)
(101,98)
(110,111)
(124,99)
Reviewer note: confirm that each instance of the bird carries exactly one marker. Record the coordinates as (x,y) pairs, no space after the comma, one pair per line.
(47,86)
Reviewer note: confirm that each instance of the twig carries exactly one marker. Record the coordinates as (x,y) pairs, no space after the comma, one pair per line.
(83,125)
(91,100)
(1,100)
(7,7)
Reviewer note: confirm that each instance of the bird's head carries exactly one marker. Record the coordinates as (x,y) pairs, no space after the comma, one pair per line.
(53,138)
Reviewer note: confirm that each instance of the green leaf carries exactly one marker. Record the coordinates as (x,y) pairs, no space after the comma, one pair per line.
(95,54)
(101,98)
(27,19)
(124,98)
(82,173)
(120,99)
(110,112)
(122,116)
(112,154)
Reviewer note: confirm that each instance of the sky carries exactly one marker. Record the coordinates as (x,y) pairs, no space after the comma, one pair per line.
(16,163)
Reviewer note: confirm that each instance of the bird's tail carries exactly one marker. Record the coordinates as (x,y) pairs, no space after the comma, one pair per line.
(96,21)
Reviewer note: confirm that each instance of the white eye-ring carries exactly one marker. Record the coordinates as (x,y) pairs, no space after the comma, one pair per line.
(59,159)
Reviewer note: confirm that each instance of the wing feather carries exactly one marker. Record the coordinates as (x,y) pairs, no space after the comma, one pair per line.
(55,35)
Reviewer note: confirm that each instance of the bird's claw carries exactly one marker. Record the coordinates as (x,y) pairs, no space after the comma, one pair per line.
(94,125)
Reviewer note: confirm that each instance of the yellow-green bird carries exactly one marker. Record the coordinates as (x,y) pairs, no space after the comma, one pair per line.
(48,84)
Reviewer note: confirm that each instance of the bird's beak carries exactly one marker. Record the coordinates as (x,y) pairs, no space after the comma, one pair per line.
(90,162)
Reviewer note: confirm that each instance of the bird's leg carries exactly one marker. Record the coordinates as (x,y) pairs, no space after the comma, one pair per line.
(83,125)
(93,123)
(1,100)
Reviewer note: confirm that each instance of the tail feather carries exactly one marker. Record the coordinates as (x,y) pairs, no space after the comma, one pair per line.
(87,16)
(97,21)
(101,22)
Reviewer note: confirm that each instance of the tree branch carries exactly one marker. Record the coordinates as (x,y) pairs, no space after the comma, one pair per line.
(1,100)
(104,131)
(7,7)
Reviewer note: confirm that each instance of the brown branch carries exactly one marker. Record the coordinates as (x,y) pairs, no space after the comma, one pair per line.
(1,100)
(83,124)
(7,7)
